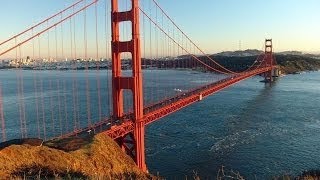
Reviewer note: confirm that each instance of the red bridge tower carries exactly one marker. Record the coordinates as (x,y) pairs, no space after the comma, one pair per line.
(268,60)
(132,143)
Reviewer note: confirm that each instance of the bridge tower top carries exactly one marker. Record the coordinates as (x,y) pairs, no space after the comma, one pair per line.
(268,46)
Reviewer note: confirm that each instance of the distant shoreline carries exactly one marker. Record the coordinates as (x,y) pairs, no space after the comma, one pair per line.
(284,72)
(290,64)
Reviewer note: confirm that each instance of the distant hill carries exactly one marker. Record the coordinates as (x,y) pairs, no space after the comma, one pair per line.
(296,53)
(290,64)
(245,53)
(255,52)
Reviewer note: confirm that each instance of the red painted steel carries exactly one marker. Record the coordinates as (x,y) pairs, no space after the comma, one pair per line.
(224,70)
(125,132)
(268,59)
(46,29)
(129,128)
(177,103)
(42,22)
(167,106)
(133,83)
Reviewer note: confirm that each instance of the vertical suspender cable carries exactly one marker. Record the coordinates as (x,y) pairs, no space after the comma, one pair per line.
(109,94)
(65,106)
(87,68)
(75,58)
(73,61)
(98,65)
(24,123)
(58,82)
(18,90)
(3,127)
(35,84)
(52,108)
(59,106)
(43,112)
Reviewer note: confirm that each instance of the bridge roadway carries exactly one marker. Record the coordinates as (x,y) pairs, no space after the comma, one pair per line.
(165,107)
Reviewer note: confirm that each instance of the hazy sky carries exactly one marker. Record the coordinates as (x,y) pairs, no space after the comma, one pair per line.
(220,24)
(215,25)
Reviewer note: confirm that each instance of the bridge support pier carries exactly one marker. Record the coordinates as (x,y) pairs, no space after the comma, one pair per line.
(131,143)
(268,78)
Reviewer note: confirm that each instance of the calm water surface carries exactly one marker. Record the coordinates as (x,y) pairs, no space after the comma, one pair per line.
(258,130)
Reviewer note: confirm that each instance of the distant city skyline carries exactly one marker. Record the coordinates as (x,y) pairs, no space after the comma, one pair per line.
(215,26)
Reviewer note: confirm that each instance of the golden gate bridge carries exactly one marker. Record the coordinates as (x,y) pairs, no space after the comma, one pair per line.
(123,39)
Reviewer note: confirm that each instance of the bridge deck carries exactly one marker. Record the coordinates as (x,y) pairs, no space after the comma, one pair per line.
(165,107)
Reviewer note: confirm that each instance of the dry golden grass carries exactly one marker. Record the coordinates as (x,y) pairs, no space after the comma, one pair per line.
(102,159)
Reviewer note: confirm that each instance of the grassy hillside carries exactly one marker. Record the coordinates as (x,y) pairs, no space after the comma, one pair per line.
(100,158)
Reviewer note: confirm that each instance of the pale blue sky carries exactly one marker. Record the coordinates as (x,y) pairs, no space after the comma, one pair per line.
(216,25)
(220,24)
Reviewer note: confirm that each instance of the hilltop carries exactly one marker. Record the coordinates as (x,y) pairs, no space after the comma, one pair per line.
(245,53)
